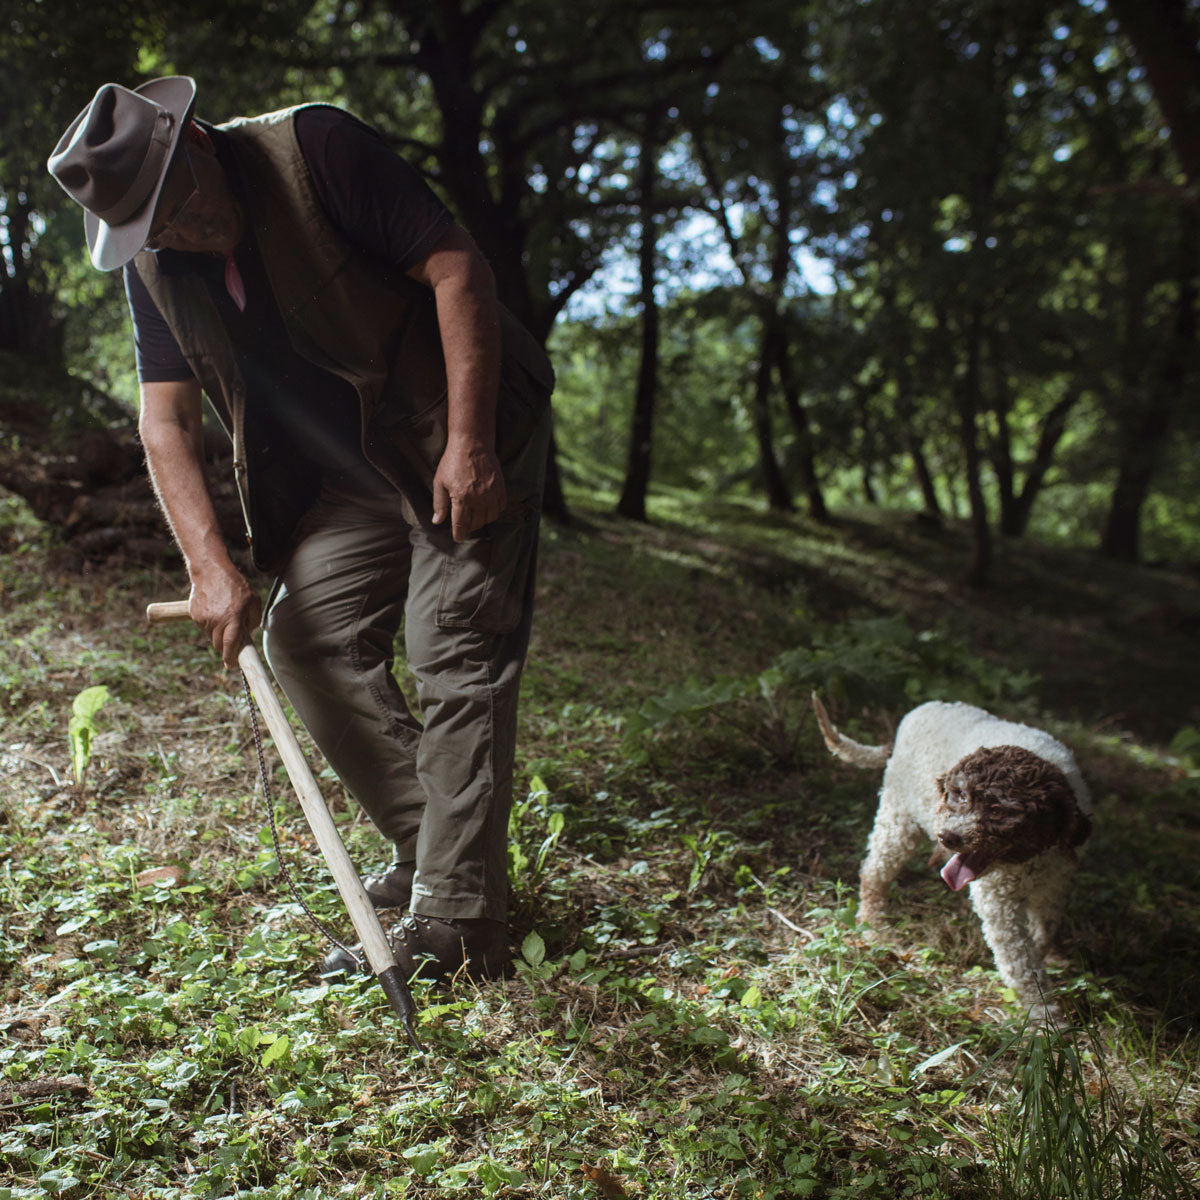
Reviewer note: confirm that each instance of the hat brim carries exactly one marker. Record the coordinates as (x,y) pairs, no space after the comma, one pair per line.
(112,246)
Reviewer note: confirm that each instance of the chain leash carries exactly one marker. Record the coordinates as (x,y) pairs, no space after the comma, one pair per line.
(316,921)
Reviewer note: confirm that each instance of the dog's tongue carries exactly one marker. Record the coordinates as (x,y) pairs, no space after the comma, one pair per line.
(958,873)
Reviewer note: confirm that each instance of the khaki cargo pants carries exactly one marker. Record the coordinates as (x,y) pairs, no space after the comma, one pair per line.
(439,787)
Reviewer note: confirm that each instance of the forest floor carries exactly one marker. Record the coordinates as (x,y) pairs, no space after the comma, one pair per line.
(695,1013)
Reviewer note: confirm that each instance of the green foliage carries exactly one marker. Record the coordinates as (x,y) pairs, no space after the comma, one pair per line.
(704,436)
(82,729)
(527,863)
(1037,240)
(694,1011)
(56,53)
(875,661)
(1186,745)
(64,404)
(1070,1137)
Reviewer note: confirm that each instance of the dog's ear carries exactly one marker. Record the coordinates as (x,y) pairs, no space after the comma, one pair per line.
(1075,826)
(940,784)
(1079,824)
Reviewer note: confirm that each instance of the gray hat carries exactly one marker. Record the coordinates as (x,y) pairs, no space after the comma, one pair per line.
(113,160)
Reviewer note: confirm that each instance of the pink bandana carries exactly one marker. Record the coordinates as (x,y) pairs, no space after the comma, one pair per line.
(233,282)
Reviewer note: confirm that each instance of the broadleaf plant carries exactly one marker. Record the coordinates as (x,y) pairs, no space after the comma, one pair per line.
(82,728)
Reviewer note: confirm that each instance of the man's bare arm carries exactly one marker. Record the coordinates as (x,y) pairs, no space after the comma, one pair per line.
(171,428)
(469,485)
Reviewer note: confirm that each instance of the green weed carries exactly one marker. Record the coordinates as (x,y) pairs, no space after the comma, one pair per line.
(81,731)
(695,1012)
(1071,1134)
(877,662)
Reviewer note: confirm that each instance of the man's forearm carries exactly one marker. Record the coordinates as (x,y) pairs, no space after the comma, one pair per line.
(175,457)
(221,601)
(468,486)
(469,320)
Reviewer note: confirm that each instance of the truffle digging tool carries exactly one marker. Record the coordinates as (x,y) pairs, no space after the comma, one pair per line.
(362,912)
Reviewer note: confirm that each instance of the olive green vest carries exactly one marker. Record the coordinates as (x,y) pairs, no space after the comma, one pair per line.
(347,313)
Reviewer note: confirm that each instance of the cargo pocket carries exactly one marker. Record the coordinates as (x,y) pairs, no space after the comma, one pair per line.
(484,579)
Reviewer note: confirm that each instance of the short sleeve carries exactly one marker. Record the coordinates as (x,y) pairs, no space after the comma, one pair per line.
(159,359)
(380,202)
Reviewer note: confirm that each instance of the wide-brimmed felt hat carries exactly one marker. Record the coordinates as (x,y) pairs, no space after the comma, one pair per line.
(113,160)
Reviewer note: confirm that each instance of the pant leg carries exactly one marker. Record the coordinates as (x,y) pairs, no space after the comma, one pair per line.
(442,788)
(329,635)
(466,630)
(467,625)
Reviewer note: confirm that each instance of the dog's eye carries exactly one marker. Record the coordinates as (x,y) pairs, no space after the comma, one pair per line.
(998,799)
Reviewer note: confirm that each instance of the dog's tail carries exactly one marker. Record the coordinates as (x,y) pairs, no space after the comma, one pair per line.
(845,749)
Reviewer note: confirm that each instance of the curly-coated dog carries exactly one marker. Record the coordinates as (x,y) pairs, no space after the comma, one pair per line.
(1006,801)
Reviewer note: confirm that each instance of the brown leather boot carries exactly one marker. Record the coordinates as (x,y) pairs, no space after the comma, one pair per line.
(439,947)
(392,888)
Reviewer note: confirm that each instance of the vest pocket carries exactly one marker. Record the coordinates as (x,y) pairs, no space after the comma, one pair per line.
(485,579)
(418,440)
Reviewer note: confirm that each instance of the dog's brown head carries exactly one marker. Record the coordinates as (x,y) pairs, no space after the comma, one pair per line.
(1004,804)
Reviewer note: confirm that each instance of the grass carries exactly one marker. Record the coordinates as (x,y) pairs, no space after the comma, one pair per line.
(695,1013)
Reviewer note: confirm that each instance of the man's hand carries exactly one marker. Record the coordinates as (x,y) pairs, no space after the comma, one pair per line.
(224,605)
(468,488)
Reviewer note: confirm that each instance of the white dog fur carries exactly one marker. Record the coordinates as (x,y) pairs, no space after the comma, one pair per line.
(1013,838)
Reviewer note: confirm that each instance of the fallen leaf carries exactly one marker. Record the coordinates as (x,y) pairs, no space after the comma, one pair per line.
(610,1186)
(159,875)
(25,1029)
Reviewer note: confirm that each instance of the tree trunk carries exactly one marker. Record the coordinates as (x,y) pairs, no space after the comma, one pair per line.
(866,467)
(1014,521)
(906,409)
(1141,451)
(916,451)
(774,346)
(799,417)
(1016,504)
(967,398)
(27,323)
(1146,436)
(867,454)
(1164,33)
(779,498)
(632,503)
(1000,442)
(554,501)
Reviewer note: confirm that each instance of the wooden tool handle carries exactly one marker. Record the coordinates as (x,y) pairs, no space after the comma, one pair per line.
(362,911)
(167,610)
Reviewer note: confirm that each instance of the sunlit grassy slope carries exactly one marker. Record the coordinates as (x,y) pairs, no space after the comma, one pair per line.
(696,1012)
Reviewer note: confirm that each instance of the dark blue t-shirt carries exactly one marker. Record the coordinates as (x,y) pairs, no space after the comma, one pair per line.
(380,204)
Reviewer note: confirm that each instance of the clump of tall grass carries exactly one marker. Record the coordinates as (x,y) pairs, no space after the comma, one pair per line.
(1071,1134)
